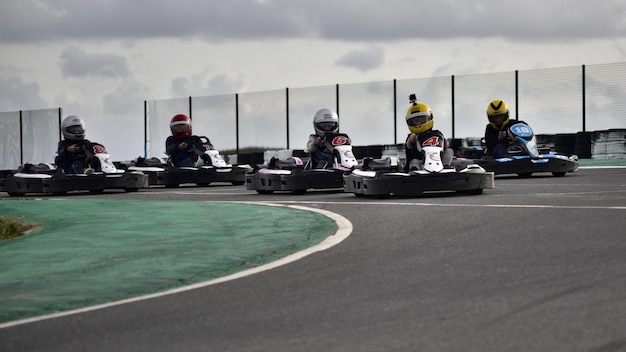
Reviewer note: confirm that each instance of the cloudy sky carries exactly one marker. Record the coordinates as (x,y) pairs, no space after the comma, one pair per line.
(100,59)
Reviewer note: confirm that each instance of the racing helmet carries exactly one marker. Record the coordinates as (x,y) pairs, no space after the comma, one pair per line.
(498,114)
(73,128)
(419,117)
(325,121)
(180,125)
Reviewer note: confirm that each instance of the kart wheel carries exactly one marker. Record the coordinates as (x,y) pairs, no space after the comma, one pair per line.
(132,189)
(298,191)
(16,194)
(172,185)
(96,191)
(558,174)
(203,184)
(238,183)
(263,191)
(525,174)
(59,193)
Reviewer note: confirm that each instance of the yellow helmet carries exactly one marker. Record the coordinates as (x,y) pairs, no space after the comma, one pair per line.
(419,117)
(498,114)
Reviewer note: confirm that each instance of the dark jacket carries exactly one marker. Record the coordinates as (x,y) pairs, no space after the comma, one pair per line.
(491,135)
(71,163)
(431,137)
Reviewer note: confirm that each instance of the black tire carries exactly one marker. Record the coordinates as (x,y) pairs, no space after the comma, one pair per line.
(132,189)
(172,185)
(16,194)
(525,174)
(558,174)
(238,183)
(96,191)
(263,191)
(298,191)
(203,184)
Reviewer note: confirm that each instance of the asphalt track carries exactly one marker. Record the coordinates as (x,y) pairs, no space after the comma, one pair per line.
(535,264)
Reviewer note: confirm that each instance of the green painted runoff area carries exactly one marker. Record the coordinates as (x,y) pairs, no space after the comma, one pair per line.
(91,251)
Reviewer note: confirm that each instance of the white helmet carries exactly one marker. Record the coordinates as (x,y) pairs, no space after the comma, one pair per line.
(73,128)
(325,121)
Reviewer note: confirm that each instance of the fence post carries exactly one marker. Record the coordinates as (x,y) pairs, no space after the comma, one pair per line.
(516,95)
(287,113)
(584,102)
(453,128)
(60,110)
(145,128)
(190,117)
(395,112)
(237,122)
(337,100)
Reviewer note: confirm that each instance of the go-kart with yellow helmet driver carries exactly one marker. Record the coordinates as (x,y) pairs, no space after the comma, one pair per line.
(329,158)
(192,159)
(511,147)
(80,165)
(496,139)
(420,121)
(428,166)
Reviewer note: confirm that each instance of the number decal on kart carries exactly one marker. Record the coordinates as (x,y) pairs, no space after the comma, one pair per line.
(431,142)
(98,149)
(522,130)
(340,140)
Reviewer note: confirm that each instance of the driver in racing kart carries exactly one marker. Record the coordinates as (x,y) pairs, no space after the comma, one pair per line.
(324,121)
(420,120)
(179,146)
(71,157)
(496,138)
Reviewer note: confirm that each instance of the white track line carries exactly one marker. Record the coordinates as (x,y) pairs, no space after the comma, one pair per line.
(538,206)
(344,230)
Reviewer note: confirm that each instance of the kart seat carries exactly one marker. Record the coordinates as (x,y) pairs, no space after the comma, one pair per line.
(41,168)
(148,162)
(372,164)
(286,164)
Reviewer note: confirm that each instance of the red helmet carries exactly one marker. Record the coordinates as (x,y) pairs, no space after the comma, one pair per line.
(180,126)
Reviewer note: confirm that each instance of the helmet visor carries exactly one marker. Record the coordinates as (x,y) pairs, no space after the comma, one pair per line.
(180,127)
(497,119)
(417,120)
(327,125)
(78,129)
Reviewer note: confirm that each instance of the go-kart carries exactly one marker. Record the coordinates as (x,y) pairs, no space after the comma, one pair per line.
(382,177)
(210,167)
(297,175)
(525,157)
(49,179)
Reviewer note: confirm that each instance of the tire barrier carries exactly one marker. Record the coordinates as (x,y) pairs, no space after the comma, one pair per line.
(609,144)
(565,143)
(582,145)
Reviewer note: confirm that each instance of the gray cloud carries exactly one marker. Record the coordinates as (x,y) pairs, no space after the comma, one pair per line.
(363,60)
(128,96)
(348,20)
(75,62)
(15,94)
(198,85)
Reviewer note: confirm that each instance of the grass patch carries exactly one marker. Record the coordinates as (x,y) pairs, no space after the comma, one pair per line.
(13,227)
